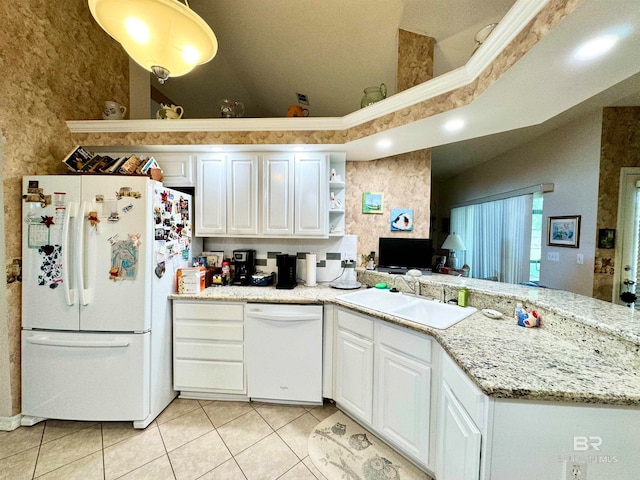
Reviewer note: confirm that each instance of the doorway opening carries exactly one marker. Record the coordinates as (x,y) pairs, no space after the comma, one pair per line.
(627,262)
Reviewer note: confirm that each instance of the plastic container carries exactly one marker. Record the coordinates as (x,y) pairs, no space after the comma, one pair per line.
(463,297)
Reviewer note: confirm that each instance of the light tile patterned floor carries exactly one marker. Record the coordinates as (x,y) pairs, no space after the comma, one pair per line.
(191,439)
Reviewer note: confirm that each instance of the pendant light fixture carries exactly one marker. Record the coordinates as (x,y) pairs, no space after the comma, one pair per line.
(165,37)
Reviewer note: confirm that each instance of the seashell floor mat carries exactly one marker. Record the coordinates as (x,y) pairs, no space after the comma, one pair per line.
(342,449)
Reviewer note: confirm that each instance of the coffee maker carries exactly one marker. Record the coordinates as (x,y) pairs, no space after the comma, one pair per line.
(286,271)
(245,266)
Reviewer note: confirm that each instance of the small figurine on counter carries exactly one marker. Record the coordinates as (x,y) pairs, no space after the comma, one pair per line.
(527,318)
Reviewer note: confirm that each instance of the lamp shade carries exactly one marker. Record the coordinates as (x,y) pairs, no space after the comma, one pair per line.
(163,36)
(453,242)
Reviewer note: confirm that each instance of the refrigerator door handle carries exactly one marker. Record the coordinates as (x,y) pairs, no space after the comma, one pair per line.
(78,343)
(69,292)
(80,257)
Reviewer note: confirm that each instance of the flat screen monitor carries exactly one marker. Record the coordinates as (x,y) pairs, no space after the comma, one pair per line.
(397,255)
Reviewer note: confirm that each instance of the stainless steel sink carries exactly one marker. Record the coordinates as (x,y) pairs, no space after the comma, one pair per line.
(416,309)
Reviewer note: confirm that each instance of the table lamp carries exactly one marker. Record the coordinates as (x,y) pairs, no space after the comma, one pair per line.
(452,243)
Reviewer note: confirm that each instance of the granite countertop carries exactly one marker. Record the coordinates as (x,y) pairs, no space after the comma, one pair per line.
(501,358)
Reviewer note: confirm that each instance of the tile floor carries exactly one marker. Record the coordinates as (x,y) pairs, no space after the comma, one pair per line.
(191,439)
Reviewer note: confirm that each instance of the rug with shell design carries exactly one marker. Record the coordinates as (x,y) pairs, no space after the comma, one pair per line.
(342,449)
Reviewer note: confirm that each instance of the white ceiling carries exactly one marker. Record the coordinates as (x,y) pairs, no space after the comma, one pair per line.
(329,50)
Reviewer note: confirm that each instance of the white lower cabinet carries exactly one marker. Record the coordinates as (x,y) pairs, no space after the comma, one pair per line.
(354,376)
(459,440)
(403,390)
(208,348)
(383,379)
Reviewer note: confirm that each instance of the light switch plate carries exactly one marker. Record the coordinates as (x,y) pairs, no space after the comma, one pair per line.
(580,259)
(553,256)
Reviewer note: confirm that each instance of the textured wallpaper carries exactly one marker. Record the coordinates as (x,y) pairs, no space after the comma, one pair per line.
(620,148)
(56,65)
(405,181)
(415,59)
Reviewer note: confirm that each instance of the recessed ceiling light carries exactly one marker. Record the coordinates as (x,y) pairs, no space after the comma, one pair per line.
(384,143)
(454,125)
(595,47)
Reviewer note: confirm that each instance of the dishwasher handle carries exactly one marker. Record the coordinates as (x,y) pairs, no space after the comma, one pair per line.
(279,317)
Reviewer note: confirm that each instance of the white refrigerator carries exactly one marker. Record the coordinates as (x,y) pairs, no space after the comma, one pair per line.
(99,259)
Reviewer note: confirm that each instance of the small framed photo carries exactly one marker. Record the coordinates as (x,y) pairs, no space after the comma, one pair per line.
(607,238)
(401,219)
(372,202)
(564,231)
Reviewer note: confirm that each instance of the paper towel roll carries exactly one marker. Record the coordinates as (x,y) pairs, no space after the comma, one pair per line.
(310,280)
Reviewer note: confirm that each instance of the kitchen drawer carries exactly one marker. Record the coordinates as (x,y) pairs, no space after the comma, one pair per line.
(203,330)
(405,341)
(467,393)
(195,350)
(208,311)
(355,323)
(200,375)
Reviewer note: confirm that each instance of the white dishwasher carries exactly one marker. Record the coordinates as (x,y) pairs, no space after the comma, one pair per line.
(284,352)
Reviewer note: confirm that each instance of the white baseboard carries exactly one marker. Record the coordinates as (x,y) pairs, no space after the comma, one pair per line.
(10,423)
(29,421)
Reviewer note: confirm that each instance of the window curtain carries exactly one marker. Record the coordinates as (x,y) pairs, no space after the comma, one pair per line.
(497,238)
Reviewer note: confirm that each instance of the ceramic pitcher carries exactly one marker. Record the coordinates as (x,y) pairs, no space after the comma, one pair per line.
(113,111)
(373,95)
(169,112)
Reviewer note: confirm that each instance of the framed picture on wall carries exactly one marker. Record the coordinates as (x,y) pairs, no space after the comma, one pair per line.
(401,219)
(607,238)
(372,202)
(564,231)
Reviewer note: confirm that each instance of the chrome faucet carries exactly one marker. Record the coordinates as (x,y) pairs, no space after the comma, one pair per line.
(415,288)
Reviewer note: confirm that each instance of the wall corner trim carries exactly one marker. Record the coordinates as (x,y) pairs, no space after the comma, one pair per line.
(8,424)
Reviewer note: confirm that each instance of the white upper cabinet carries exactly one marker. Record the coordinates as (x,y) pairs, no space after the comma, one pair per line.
(211,195)
(226,195)
(311,186)
(178,169)
(277,194)
(242,194)
(262,195)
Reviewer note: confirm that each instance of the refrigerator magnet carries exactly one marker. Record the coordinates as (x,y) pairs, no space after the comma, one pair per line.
(51,267)
(46,220)
(135,239)
(160,269)
(93,219)
(110,207)
(128,208)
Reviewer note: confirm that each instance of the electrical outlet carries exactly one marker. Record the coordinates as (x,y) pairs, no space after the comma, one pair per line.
(553,256)
(575,471)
